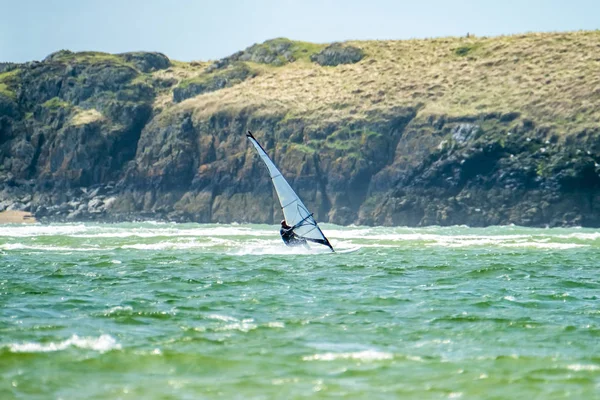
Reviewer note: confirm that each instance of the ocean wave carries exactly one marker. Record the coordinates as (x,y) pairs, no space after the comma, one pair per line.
(583,367)
(242,240)
(245,325)
(21,246)
(227,231)
(167,246)
(42,230)
(219,317)
(102,344)
(501,241)
(276,247)
(116,231)
(366,355)
(118,310)
(581,236)
(538,245)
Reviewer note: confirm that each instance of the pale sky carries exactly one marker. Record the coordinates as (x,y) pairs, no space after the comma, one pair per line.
(204,30)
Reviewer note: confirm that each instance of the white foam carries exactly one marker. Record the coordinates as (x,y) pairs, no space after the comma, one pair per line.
(264,240)
(166,246)
(101,344)
(42,230)
(501,241)
(224,318)
(583,367)
(275,247)
(20,246)
(367,355)
(116,231)
(117,309)
(538,245)
(243,326)
(581,236)
(226,231)
(233,324)
(182,244)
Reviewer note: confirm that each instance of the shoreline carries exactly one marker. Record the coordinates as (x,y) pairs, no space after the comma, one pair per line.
(17,217)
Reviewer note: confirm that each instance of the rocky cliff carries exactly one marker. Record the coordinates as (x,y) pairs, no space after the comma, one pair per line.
(475,131)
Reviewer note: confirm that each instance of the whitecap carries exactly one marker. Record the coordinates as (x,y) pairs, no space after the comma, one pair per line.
(243,326)
(583,367)
(101,344)
(275,247)
(20,246)
(224,318)
(538,245)
(117,309)
(42,230)
(168,245)
(367,355)
(581,236)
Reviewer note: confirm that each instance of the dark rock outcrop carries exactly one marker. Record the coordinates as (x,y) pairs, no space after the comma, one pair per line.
(94,136)
(75,122)
(147,62)
(336,54)
(275,52)
(228,77)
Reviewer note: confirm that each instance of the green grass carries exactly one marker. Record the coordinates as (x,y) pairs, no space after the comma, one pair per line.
(142,79)
(301,51)
(552,79)
(8,81)
(92,58)
(6,91)
(301,148)
(56,103)
(467,49)
(297,49)
(89,57)
(232,74)
(545,77)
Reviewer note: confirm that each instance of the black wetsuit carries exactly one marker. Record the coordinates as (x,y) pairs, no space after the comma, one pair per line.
(289,237)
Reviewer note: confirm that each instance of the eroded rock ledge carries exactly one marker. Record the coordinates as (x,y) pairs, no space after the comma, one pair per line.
(96,136)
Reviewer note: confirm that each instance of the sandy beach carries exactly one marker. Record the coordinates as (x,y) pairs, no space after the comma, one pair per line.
(16,217)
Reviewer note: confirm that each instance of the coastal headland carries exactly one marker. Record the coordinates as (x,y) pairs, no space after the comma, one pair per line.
(444,131)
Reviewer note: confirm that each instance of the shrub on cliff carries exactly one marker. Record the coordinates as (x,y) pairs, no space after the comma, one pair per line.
(213,81)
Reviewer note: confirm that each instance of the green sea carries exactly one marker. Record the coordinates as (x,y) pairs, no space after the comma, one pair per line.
(190,311)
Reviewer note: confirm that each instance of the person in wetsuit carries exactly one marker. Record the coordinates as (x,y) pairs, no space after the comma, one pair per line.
(289,237)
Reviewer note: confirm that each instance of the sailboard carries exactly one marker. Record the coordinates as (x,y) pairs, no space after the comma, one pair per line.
(295,212)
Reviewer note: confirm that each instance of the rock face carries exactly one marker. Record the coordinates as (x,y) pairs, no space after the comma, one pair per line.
(76,120)
(336,54)
(219,79)
(275,52)
(95,136)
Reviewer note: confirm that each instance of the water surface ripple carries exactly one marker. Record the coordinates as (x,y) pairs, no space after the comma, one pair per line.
(187,311)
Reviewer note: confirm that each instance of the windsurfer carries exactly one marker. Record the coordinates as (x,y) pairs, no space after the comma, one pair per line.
(289,237)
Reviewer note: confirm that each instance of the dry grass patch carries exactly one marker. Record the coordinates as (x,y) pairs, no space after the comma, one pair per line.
(552,78)
(84,117)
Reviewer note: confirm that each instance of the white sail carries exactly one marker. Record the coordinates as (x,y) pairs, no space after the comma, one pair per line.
(295,212)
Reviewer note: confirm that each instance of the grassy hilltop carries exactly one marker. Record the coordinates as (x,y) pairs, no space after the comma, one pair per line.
(431,131)
(549,77)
